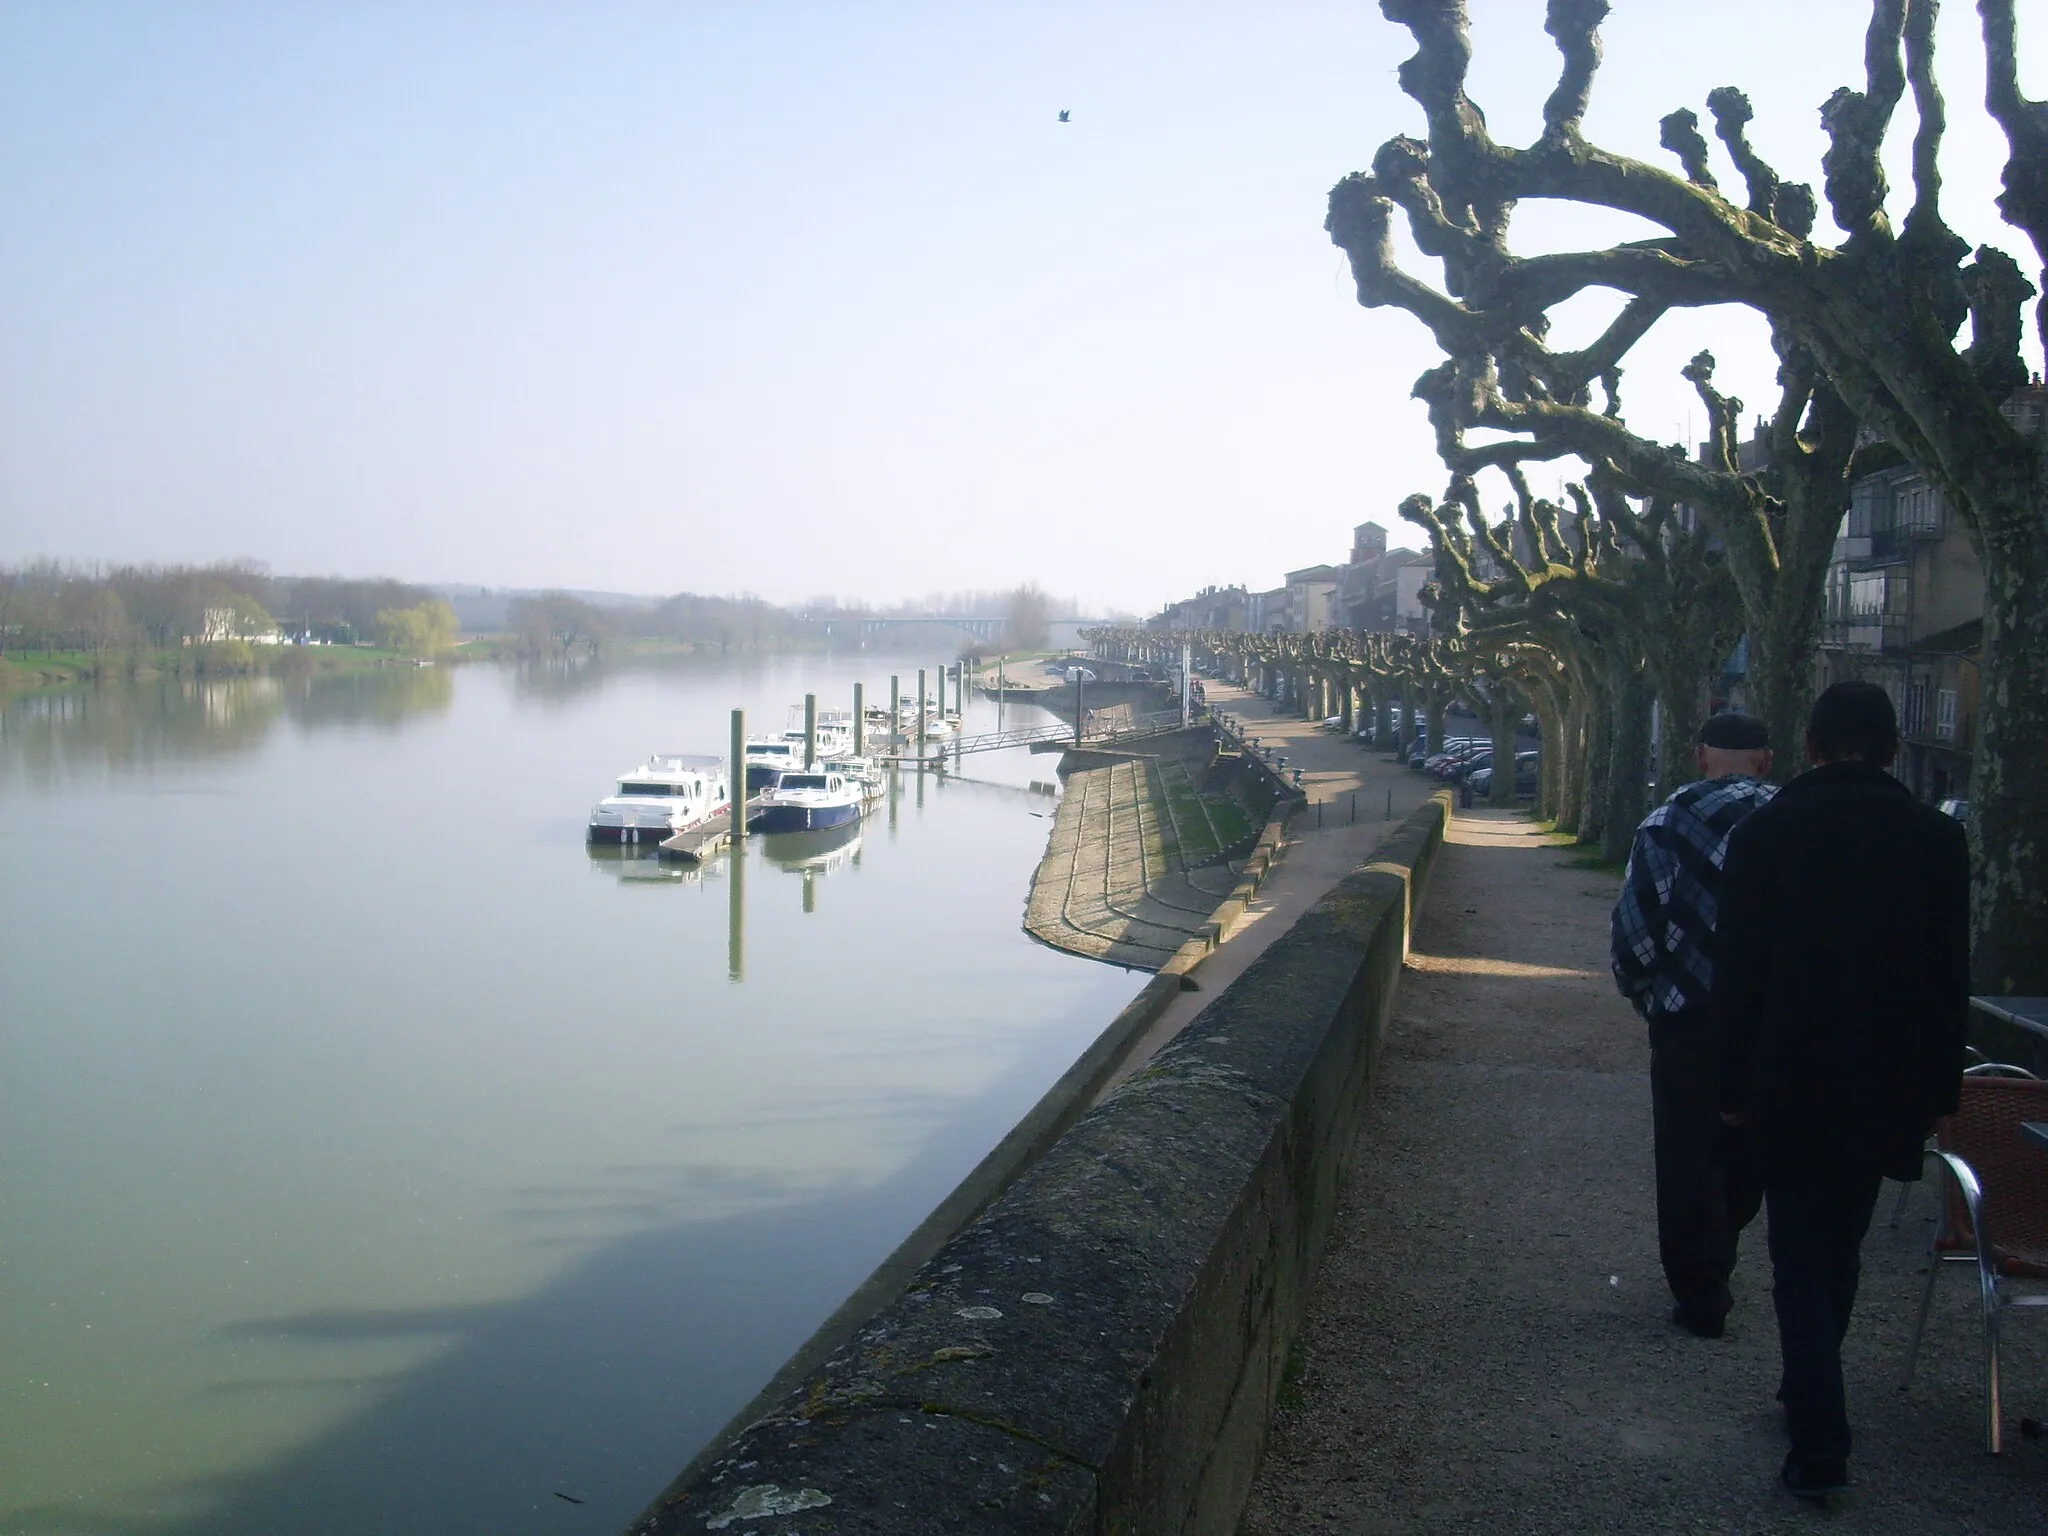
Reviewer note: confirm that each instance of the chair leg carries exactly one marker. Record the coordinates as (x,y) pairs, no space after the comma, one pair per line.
(1934,1263)
(1992,1432)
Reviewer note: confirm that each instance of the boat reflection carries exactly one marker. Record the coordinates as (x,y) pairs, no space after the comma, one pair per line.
(640,865)
(813,855)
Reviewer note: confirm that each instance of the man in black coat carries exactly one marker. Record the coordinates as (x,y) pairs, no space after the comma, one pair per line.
(1842,993)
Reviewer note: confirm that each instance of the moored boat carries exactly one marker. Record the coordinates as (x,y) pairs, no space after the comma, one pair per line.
(671,792)
(809,801)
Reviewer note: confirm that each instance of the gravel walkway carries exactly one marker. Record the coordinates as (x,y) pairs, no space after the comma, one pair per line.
(1488,1347)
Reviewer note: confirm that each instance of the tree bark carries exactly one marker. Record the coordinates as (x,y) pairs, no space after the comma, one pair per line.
(2009,782)
(1598,759)
(1629,760)
(1503,717)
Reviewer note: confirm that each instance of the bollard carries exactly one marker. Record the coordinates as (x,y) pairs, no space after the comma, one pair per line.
(1319,813)
(1390,803)
(1354,803)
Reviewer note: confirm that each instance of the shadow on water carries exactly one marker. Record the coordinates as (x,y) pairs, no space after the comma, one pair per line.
(571,1409)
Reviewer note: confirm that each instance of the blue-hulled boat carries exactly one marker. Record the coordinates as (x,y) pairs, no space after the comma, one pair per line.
(809,801)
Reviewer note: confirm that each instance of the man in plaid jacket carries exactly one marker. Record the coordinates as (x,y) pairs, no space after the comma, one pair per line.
(1708,1184)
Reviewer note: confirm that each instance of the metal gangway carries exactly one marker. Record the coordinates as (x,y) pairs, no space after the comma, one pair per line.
(1060,731)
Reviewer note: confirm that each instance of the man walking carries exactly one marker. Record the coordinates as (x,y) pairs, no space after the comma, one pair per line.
(1707,1184)
(1842,991)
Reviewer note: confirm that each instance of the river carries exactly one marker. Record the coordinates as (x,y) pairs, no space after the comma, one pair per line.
(376,1158)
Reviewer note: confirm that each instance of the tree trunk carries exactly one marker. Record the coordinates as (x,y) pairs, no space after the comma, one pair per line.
(1571,763)
(1629,761)
(1550,710)
(1383,736)
(2008,784)
(1504,715)
(1781,677)
(1598,754)
(1681,710)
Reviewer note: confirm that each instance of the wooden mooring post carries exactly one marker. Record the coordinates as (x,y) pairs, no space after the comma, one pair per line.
(860,721)
(736,863)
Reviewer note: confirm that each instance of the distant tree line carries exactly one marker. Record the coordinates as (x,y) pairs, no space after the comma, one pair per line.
(561,624)
(47,607)
(225,608)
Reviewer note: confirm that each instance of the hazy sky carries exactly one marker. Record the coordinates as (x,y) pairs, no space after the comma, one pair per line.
(783,298)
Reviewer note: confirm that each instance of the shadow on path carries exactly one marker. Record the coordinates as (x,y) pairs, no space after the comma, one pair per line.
(1488,1347)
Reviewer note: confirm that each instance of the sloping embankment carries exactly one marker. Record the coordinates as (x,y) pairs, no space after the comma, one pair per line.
(1138,859)
(1099,1350)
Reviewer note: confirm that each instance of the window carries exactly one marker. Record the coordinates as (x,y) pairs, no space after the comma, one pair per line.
(1945,714)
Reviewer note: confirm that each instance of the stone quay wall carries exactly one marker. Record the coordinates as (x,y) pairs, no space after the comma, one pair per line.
(1099,1350)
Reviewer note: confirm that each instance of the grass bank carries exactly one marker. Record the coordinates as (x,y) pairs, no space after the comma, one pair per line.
(23,670)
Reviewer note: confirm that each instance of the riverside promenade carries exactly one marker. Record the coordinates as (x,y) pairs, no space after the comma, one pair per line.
(1487,1345)
(1318,851)
(1111,887)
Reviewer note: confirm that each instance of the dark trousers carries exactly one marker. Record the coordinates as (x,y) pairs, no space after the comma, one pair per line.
(1817,1220)
(1708,1184)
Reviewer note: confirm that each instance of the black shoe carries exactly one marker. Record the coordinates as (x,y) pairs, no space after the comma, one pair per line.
(1705,1325)
(1814,1479)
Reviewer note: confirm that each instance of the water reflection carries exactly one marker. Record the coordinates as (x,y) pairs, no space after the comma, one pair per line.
(631,865)
(154,722)
(813,855)
(448,1177)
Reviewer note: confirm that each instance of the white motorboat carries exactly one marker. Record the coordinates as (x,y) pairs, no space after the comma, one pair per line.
(809,801)
(769,757)
(671,792)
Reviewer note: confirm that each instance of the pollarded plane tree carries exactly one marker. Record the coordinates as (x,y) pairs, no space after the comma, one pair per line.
(1483,600)
(1649,572)
(1396,661)
(1630,603)
(1776,519)
(1878,316)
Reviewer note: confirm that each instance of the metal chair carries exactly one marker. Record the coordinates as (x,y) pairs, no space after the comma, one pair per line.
(1980,1066)
(1997,1181)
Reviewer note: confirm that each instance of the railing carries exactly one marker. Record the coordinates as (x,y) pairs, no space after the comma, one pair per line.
(1059,730)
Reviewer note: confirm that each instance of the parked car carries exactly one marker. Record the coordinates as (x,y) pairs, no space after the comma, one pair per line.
(1463,769)
(1528,772)
(1960,809)
(1453,749)
(1461,760)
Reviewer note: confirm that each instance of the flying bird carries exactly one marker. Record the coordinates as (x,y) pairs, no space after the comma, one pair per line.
(1064,117)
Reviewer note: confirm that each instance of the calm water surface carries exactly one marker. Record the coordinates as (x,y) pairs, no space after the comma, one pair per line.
(374,1158)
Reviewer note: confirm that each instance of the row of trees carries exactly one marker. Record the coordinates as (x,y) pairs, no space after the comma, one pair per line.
(1868,335)
(561,625)
(46,606)
(1635,587)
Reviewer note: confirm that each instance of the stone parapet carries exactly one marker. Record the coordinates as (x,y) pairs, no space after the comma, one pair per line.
(1099,1350)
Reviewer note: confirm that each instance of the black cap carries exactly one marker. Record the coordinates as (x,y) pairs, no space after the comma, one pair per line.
(1735,733)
